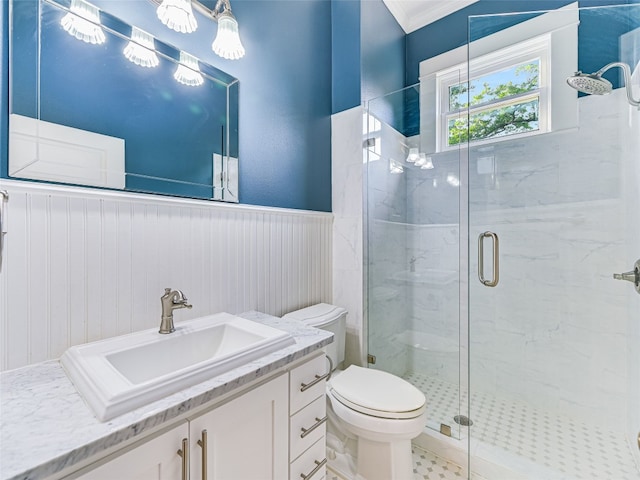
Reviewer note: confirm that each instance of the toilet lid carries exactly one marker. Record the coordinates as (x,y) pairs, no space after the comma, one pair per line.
(377,393)
(317,315)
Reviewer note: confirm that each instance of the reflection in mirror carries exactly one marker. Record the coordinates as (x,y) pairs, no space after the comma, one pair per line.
(97,102)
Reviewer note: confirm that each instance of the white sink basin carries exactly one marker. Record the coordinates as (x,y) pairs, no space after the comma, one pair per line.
(122,373)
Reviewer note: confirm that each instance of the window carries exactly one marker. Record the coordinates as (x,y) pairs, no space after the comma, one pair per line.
(503,103)
(505,96)
(512,86)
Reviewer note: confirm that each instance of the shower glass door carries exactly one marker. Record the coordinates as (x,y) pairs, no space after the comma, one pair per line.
(412,251)
(553,212)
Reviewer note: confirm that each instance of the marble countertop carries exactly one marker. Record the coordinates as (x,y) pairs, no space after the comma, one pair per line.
(46,427)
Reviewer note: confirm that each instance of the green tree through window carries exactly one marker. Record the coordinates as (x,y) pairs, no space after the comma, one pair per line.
(501,103)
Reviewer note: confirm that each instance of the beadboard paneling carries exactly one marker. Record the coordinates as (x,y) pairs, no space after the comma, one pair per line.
(83,265)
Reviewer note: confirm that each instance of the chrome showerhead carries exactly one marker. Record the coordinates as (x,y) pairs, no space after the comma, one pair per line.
(593,84)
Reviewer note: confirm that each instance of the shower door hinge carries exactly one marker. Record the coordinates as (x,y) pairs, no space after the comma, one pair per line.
(445,429)
(371,359)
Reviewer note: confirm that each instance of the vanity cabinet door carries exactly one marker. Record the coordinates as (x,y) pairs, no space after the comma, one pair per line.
(246,438)
(156,459)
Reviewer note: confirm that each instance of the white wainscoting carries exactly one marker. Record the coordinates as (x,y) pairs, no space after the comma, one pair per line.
(83,265)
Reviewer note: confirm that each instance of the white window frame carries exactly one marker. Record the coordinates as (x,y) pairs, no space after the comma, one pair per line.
(533,49)
(551,36)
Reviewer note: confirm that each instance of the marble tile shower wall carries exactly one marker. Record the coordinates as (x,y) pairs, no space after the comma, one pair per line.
(82,265)
(433,205)
(387,252)
(413,263)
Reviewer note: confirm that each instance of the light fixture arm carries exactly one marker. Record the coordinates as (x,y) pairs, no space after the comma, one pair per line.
(627,79)
(221,7)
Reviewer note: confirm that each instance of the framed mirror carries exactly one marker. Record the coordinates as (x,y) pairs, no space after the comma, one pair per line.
(97,102)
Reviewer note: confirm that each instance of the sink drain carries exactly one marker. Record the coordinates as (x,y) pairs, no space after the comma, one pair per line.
(463,420)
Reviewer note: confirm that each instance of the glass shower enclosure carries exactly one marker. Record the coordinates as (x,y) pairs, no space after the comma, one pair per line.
(500,204)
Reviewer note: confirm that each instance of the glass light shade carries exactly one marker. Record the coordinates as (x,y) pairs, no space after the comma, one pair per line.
(83,22)
(188,72)
(413,155)
(139,50)
(177,15)
(425,162)
(227,43)
(395,167)
(453,180)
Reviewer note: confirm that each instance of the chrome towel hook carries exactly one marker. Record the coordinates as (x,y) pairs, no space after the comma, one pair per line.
(4,196)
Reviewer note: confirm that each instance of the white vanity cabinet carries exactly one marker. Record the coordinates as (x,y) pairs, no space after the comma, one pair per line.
(156,459)
(272,431)
(246,438)
(307,423)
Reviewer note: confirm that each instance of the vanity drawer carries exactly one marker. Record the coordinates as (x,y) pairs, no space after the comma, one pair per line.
(307,426)
(307,382)
(311,465)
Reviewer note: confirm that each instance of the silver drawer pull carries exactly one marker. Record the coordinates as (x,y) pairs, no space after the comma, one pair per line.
(184,454)
(318,379)
(307,431)
(319,465)
(203,444)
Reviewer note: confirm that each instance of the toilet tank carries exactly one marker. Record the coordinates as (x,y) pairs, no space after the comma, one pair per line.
(326,317)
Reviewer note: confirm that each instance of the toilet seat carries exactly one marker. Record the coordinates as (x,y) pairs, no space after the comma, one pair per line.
(377,393)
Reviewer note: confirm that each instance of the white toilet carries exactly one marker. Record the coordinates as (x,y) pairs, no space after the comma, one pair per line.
(373,415)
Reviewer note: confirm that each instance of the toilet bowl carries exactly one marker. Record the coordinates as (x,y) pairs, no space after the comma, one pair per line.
(373,415)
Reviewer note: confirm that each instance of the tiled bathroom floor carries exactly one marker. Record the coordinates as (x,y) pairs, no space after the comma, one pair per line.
(560,444)
(427,466)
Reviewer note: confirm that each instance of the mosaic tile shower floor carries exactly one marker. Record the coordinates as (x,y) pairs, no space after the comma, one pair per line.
(580,451)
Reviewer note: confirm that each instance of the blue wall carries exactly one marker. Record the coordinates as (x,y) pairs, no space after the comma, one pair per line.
(383,51)
(285,94)
(452,31)
(345,54)
(368,52)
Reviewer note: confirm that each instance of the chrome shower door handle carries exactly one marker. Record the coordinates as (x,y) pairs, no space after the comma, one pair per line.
(496,264)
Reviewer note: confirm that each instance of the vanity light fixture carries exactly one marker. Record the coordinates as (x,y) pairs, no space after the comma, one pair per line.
(188,71)
(140,49)
(227,43)
(424,162)
(83,22)
(395,167)
(177,15)
(413,155)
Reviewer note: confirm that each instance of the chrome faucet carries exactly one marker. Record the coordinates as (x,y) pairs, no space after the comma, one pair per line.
(171,300)
(412,264)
